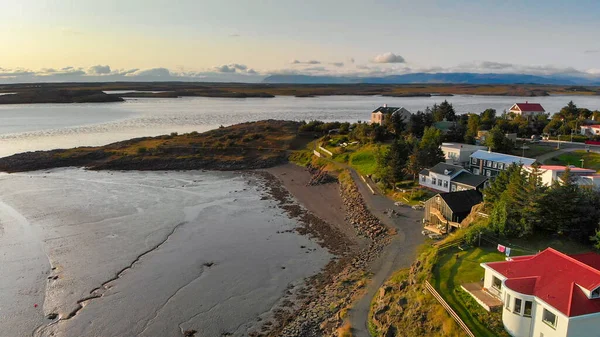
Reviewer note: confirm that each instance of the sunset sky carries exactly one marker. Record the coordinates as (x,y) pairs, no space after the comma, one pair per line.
(247,40)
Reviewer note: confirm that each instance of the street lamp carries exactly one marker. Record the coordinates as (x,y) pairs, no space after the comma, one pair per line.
(581,160)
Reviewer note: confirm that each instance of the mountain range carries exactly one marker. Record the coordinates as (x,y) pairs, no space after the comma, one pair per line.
(432,78)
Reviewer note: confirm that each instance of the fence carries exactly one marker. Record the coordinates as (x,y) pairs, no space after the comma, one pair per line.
(446,306)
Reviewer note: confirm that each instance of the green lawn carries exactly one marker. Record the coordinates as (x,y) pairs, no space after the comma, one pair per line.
(591,160)
(448,275)
(364,160)
(533,150)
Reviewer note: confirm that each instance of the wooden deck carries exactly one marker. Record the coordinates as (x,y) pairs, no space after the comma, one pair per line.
(484,298)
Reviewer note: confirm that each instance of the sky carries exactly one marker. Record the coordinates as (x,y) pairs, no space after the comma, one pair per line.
(246,40)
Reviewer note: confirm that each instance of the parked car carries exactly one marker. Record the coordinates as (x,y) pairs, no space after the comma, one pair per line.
(417,207)
(399,203)
(426,232)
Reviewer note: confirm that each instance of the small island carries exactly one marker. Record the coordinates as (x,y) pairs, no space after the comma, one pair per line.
(58,96)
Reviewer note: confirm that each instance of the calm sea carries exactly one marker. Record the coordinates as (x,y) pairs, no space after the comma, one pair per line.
(47,126)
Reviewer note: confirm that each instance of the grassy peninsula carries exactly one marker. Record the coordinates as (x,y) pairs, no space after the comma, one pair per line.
(58,96)
(243,146)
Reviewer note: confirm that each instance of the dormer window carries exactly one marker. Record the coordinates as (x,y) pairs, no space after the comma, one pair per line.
(596,293)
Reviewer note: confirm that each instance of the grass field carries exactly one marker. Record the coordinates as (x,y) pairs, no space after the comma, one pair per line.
(448,275)
(591,160)
(532,150)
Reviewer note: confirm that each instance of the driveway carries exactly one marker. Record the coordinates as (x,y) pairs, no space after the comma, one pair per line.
(400,253)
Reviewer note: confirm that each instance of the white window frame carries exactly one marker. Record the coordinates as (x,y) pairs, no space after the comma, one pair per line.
(445,183)
(520,307)
(530,309)
(433,181)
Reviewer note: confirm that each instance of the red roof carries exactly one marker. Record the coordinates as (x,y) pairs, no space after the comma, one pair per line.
(536,107)
(555,278)
(595,126)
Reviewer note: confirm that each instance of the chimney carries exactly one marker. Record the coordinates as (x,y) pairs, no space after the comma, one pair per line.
(526,102)
(385,105)
(489,149)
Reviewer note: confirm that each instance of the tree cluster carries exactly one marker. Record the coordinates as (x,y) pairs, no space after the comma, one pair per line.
(522,206)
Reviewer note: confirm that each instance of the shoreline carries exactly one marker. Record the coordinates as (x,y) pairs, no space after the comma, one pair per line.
(317,306)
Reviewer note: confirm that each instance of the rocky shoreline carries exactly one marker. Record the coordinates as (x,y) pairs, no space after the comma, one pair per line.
(318,307)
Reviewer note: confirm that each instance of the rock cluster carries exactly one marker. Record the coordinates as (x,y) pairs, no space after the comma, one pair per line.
(357,214)
(319,176)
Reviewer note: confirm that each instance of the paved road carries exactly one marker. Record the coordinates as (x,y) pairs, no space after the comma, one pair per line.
(400,253)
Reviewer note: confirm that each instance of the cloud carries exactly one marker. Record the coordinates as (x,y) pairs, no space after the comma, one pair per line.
(593,71)
(234,35)
(305,62)
(99,70)
(232,68)
(592,51)
(153,72)
(351,60)
(10,73)
(338,64)
(510,68)
(388,58)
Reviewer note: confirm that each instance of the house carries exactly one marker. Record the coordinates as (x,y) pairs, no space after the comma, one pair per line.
(459,154)
(447,210)
(378,115)
(582,176)
(450,178)
(490,164)
(549,294)
(590,130)
(527,109)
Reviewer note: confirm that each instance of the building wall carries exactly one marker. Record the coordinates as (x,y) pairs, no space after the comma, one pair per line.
(428,182)
(486,167)
(539,327)
(441,206)
(377,117)
(516,323)
(584,326)
(455,187)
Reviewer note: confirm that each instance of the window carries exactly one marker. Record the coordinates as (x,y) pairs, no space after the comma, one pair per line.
(474,161)
(501,166)
(527,311)
(445,183)
(423,178)
(517,307)
(488,173)
(453,188)
(507,302)
(439,182)
(495,165)
(488,163)
(549,318)
(596,293)
(433,181)
(476,171)
(496,283)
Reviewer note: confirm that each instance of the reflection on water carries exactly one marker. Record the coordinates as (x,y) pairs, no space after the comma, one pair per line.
(46,126)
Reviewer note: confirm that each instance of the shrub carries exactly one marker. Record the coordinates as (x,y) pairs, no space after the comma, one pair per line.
(142,150)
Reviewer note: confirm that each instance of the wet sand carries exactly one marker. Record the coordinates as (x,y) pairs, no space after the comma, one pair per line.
(146,254)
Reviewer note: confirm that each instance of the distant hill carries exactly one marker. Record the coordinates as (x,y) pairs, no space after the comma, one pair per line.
(457,78)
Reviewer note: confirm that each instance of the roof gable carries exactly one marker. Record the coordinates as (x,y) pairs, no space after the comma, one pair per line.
(532,107)
(555,275)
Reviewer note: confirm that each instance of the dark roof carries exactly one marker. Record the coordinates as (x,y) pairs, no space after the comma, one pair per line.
(469,179)
(424,172)
(441,167)
(463,201)
(386,109)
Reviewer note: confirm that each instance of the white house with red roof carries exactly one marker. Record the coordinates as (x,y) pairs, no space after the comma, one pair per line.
(549,294)
(590,130)
(582,176)
(527,109)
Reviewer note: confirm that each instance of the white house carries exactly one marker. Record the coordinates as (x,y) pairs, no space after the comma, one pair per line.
(458,154)
(552,173)
(439,176)
(590,130)
(490,164)
(527,109)
(378,115)
(549,294)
